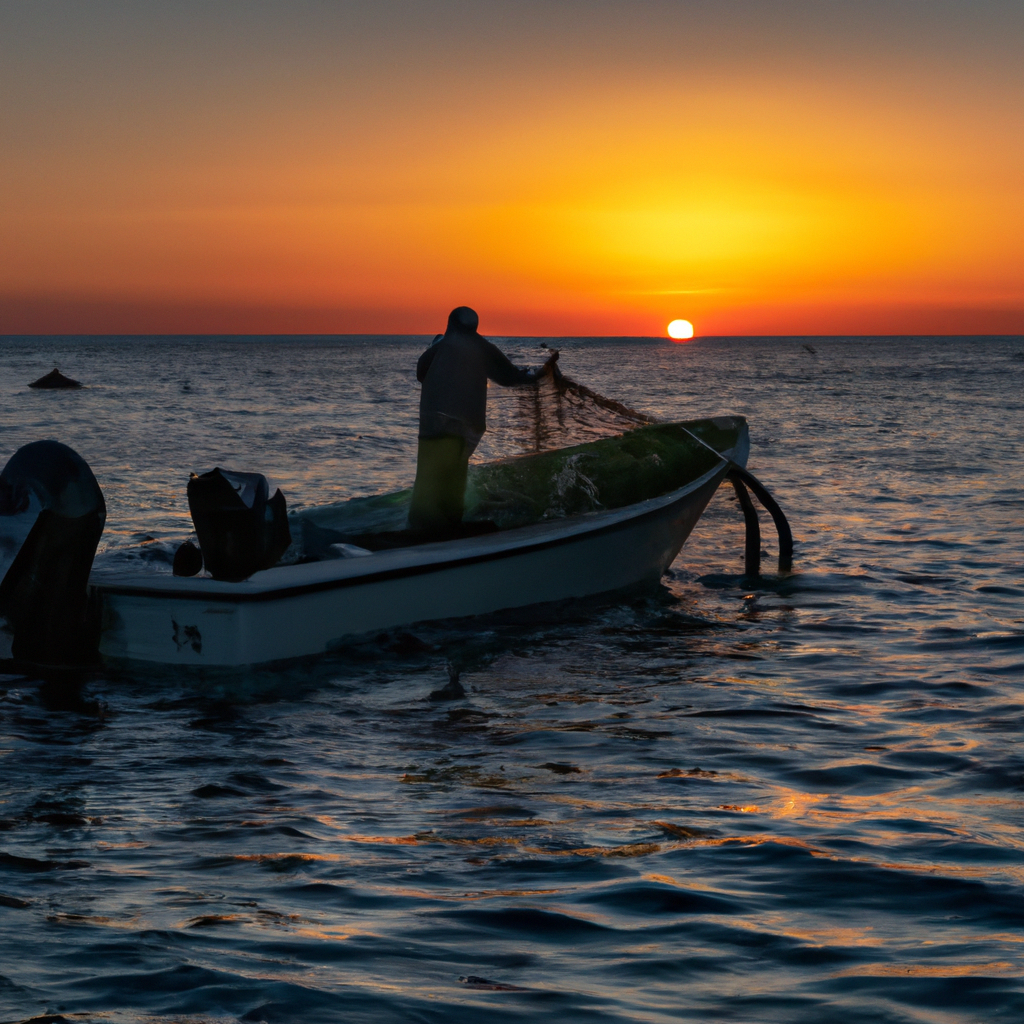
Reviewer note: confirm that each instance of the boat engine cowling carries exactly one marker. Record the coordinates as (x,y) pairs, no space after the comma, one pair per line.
(240,527)
(52,514)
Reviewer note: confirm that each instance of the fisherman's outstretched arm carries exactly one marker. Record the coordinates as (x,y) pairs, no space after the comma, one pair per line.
(503,372)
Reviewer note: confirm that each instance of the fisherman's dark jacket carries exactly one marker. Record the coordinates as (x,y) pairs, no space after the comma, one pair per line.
(454,372)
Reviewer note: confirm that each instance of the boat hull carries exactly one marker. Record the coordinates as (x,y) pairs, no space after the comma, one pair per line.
(307,613)
(298,611)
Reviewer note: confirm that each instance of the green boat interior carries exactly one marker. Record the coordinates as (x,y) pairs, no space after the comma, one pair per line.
(609,473)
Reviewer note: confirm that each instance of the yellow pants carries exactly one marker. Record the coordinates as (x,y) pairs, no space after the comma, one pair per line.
(439,494)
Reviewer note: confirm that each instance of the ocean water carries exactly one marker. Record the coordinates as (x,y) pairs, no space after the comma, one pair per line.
(796,801)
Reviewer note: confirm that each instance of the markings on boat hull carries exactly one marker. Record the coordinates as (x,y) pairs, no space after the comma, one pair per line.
(187,635)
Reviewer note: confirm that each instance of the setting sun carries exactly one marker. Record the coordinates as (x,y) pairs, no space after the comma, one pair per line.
(680,330)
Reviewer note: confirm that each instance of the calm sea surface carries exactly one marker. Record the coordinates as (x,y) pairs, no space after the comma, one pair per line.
(802,801)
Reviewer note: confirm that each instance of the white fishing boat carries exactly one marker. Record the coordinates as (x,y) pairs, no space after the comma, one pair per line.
(557,525)
(293,611)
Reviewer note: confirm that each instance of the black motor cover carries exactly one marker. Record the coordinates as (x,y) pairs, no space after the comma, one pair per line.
(43,594)
(240,528)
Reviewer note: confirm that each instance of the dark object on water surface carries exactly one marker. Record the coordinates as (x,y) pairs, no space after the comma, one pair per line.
(188,560)
(44,594)
(453,689)
(241,529)
(55,379)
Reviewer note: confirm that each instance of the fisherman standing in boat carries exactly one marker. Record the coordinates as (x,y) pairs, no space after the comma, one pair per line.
(454,372)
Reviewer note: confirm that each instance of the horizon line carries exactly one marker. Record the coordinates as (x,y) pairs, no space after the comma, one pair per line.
(510,337)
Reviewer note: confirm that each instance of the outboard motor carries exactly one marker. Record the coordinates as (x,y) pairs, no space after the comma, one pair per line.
(240,528)
(51,517)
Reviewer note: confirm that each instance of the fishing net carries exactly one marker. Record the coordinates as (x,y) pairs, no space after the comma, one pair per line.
(555,412)
(609,473)
(553,449)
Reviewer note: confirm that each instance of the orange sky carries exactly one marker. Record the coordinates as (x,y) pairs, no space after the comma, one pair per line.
(566,168)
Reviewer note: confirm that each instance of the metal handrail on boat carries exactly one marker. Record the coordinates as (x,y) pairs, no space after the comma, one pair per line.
(741,478)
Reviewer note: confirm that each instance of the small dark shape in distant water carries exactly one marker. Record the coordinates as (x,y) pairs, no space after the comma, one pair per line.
(811,349)
(560,769)
(188,560)
(55,379)
(454,690)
